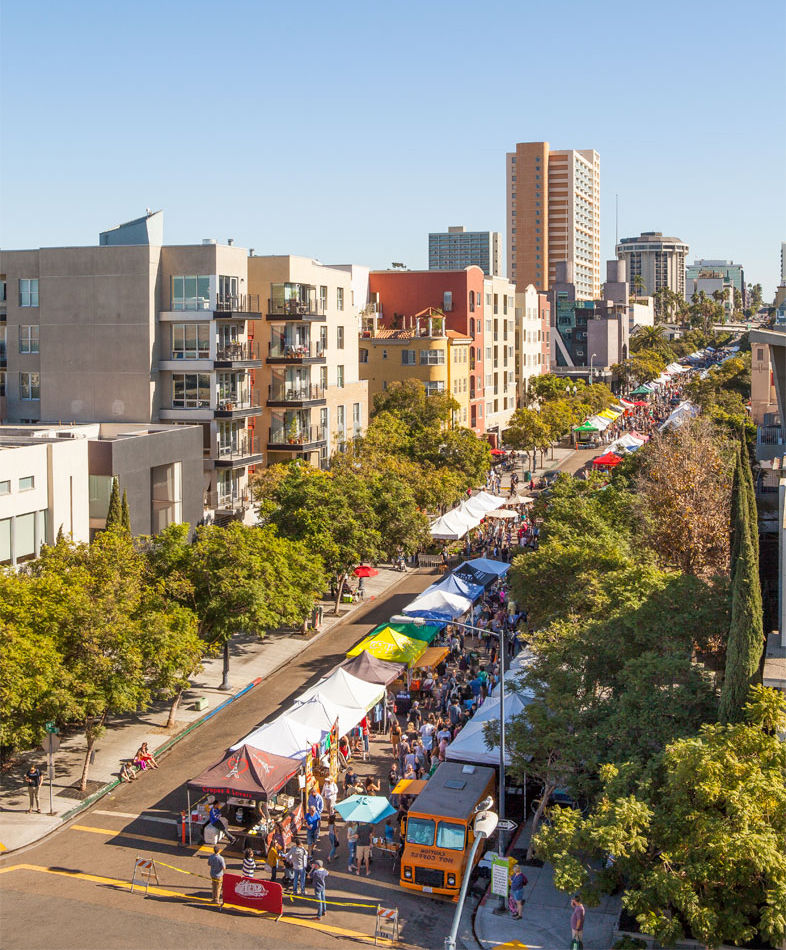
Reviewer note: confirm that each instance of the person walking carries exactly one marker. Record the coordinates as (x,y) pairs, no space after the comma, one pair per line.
(249,864)
(577,923)
(364,848)
(330,794)
(217,866)
(332,837)
(517,884)
(298,858)
(318,877)
(312,829)
(33,778)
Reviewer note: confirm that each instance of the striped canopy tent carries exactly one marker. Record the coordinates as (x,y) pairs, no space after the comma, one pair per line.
(391,646)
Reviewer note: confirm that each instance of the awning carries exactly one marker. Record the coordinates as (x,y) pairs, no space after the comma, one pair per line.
(454,525)
(432,657)
(280,737)
(342,688)
(641,391)
(481,570)
(246,773)
(586,427)
(502,513)
(369,668)
(389,645)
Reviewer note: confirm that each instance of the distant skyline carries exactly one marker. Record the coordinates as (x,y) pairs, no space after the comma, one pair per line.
(349,132)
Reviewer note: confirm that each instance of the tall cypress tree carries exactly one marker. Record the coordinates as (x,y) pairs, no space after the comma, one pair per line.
(125,515)
(114,516)
(750,496)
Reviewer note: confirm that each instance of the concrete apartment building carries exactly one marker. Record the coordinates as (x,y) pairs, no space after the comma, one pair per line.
(499,383)
(731,274)
(424,350)
(533,316)
(459,295)
(659,261)
(553,215)
(314,399)
(134,331)
(457,248)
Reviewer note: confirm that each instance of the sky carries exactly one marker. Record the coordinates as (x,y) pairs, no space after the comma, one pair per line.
(348,131)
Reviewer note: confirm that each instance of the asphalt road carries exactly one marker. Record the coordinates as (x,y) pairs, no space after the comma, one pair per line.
(71,891)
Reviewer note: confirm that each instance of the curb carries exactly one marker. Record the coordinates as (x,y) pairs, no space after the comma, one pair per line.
(163,749)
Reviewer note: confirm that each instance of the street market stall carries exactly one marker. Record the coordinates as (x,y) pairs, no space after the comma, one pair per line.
(453,525)
(607,460)
(455,585)
(415,631)
(344,689)
(439,603)
(481,570)
(367,667)
(392,646)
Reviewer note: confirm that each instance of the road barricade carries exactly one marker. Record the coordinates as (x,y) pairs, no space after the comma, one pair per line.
(387,923)
(144,872)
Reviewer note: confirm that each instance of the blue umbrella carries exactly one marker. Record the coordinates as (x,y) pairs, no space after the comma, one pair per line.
(365,809)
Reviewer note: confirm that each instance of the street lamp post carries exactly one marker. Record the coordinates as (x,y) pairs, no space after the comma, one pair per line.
(484,826)
(591,360)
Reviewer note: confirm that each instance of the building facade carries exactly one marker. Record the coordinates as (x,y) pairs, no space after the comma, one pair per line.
(314,399)
(553,215)
(400,294)
(457,248)
(653,262)
(532,338)
(499,383)
(731,274)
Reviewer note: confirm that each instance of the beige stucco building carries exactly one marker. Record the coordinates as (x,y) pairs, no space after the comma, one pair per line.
(499,314)
(314,401)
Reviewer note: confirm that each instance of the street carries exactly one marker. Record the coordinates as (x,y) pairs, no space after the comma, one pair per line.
(72,889)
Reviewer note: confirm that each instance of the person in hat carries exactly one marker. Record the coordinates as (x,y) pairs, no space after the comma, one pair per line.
(318,875)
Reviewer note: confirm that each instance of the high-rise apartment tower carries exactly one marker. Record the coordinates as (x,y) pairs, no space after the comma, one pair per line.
(457,249)
(553,215)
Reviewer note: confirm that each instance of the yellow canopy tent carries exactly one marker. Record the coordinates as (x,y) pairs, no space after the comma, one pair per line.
(432,657)
(391,646)
(609,414)
(409,786)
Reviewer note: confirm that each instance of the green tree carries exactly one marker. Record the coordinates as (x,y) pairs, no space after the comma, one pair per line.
(651,339)
(704,312)
(700,844)
(637,285)
(114,515)
(526,432)
(408,401)
(125,514)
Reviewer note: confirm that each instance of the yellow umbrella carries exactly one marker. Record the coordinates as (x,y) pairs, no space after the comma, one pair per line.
(388,645)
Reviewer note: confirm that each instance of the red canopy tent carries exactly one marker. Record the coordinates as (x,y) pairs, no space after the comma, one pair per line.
(609,460)
(641,402)
(498,453)
(246,773)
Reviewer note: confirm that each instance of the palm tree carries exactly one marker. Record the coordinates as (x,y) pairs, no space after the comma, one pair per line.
(638,285)
(649,338)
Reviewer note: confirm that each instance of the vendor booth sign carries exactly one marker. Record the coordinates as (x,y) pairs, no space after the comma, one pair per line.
(254,894)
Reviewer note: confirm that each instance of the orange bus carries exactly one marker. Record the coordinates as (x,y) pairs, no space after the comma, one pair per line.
(439,828)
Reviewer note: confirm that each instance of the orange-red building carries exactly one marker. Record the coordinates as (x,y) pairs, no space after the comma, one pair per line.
(458,294)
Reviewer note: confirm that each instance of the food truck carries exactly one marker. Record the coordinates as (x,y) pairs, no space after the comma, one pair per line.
(439,832)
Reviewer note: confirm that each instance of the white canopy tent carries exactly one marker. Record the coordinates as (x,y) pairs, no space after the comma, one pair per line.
(453,525)
(342,688)
(282,736)
(502,513)
(440,601)
(599,422)
(470,744)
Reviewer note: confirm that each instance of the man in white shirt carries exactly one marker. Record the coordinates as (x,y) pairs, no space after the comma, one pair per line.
(330,794)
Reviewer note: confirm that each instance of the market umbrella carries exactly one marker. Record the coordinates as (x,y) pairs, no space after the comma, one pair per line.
(365,809)
(365,571)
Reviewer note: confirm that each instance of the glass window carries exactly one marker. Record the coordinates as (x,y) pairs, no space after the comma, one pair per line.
(99,491)
(191,391)
(340,377)
(5,487)
(28,292)
(339,298)
(434,386)
(363,355)
(420,831)
(5,540)
(27,483)
(472,302)
(190,341)
(339,338)
(356,413)
(2,382)
(447,301)
(408,357)
(28,339)
(450,836)
(191,293)
(323,297)
(24,537)
(432,357)
(29,386)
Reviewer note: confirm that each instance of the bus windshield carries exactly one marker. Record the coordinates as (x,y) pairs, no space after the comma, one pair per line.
(420,831)
(450,836)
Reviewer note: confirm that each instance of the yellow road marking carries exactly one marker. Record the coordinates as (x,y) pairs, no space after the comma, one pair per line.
(113,832)
(163,892)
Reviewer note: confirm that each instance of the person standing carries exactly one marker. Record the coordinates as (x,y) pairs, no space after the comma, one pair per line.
(517,884)
(364,848)
(318,877)
(332,837)
(312,829)
(577,923)
(217,866)
(330,794)
(298,857)
(33,779)
(395,736)
(249,864)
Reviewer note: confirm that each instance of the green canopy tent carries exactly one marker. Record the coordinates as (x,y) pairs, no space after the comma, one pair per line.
(641,391)
(586,427)
(415,631)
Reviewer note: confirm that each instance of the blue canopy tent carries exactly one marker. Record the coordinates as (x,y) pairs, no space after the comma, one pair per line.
(455,585)
(481,570)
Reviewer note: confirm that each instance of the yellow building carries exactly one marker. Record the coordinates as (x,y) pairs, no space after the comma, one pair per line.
(421,350)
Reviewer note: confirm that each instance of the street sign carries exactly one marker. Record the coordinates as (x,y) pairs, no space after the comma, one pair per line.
(500,876)
(505,824)
(51,743)
(51,727)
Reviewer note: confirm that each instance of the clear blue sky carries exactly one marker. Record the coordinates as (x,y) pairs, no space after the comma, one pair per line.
(347,131)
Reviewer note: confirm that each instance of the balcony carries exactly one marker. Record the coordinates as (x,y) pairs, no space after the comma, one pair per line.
(238,354)
(228,501)
(237,306)
(295,302)
(239,404)
(289,438)
(238,452)
(295,394)
(282,352)
(770,435)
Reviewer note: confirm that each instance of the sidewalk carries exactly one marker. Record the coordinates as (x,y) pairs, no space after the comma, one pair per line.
(545,924)
(251,660)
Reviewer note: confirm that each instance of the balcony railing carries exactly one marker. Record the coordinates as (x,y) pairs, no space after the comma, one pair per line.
(228,501)
(296,308)
(238,352)
(237,449)
(288,435)
(239,400)
(292,392)
(770,435)
(237,303)
(295,351)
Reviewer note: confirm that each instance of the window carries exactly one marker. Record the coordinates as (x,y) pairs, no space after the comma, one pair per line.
(28,292)
(407,357)
(432,357)
(323,297)
(760,353)
(339,298)
(447,301)
(27,483)
(192,391)
(384,354)
(191,293)
(28,339)
(190,341)
(339,338)
(450,836)
(5,541)
(472,303)
(356,421)
(29,386)
(323,377)
(24,537)
(340,377)
(323,338)
(363,355)
(472,326)
(5,487)
(434,386)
